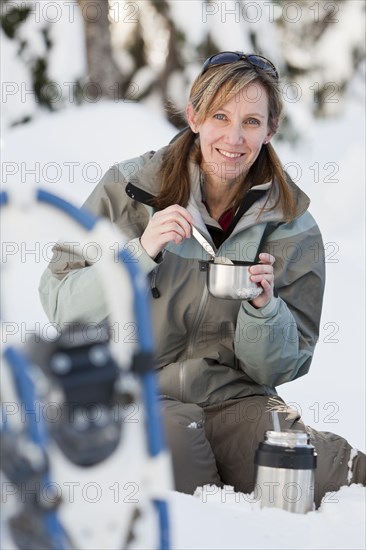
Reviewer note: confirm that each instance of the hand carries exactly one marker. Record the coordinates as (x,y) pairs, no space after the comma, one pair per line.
(171,224)
(262,274)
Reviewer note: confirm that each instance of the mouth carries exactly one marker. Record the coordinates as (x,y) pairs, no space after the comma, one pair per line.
(229,155)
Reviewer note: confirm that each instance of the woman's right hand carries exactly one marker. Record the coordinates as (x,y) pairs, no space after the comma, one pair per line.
(171,224)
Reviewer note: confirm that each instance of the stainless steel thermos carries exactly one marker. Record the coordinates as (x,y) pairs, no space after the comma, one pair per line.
(285,464)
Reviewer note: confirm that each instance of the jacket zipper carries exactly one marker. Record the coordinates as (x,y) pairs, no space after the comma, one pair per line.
(191,341)
(182,380)
(196,323)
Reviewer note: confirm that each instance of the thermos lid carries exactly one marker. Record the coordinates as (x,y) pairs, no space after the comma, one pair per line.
(287,449)
(287,438)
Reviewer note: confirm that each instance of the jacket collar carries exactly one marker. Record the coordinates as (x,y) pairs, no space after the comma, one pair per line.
(143,186)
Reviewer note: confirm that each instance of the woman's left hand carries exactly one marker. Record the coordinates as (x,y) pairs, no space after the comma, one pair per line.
(262,274)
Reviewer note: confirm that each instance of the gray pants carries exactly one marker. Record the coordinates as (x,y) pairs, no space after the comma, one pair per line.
(216,444)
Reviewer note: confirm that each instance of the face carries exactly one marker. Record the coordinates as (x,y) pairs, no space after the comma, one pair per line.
(231,138)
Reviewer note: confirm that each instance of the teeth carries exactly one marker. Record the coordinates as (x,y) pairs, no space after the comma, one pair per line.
(230,155)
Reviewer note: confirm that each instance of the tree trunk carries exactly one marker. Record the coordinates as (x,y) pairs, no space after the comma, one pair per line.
(104,76)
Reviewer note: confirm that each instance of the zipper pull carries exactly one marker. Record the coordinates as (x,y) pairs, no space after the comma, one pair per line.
(154,290)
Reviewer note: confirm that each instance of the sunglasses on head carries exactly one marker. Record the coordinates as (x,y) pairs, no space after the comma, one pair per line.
(257,61)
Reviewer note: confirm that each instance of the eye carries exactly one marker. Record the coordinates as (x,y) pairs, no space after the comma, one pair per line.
(220,116)
(253,121)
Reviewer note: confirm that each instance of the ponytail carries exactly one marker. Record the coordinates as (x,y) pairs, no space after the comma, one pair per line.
(174,174)
(280,183)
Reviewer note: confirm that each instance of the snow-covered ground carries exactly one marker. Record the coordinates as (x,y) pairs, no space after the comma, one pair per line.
(219,519)
(67,153)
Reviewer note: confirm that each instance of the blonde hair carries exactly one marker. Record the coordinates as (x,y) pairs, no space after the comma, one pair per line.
(208,93)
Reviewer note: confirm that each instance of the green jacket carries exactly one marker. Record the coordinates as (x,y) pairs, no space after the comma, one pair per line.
(207,349)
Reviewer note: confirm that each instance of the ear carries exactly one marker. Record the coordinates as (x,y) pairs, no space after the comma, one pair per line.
(191,117)
(268,137)
(272,130)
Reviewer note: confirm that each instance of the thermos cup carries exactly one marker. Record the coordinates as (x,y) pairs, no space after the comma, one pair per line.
(285,465)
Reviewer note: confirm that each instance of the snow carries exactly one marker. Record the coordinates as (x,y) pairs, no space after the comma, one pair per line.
(65,66)
(221,519)
(67,153)
(330,397)
(70,150)
(16,85)
(335,149)
(350,30)
(353,454)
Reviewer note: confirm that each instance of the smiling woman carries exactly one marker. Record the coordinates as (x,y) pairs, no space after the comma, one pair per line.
(225,100)
(219,360)
(230,142)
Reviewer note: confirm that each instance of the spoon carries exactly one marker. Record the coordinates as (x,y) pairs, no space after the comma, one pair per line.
(208,248)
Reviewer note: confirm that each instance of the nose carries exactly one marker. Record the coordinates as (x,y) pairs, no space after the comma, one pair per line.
(234,134)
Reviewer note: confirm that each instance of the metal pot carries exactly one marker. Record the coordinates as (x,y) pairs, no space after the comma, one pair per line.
(230,281)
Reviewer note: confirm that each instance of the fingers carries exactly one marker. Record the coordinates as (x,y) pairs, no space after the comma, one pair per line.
(174,218)
(171,224)
(262,273)
(265,258)
(264,298)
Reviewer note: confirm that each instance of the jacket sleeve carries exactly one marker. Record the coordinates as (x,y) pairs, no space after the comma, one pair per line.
(70,288)
(275,344)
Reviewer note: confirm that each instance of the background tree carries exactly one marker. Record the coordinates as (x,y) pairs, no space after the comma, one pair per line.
(103,73)
(149,51)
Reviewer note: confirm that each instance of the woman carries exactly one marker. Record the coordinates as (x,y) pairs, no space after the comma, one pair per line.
(219,361)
